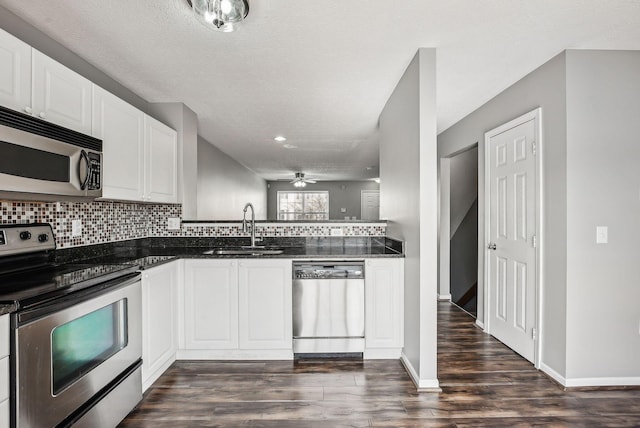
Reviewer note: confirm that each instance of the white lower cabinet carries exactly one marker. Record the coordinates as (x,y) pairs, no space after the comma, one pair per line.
(265,305)
(384,308)
(159,319)
(237,309)
(210,304)
(4,371)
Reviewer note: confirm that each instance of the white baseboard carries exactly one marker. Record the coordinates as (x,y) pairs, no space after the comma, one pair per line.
(422,385)
(553,374)
(234,354)
(445,297)
(480,324)
(382,354)
(602,381)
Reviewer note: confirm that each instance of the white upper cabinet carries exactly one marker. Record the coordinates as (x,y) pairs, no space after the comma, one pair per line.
(161,166)
(140,154)
(60,95)
(33,83)
(120,126)
(15,73)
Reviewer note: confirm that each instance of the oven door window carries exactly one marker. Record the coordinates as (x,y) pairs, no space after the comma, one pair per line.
(84,343)
(33,163)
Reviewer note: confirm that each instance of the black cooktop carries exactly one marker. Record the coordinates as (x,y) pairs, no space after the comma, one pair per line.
(32,287)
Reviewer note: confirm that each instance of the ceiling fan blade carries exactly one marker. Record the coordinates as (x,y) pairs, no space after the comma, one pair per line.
(309,181)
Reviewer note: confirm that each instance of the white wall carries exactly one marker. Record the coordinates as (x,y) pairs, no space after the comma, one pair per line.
(408,200)
(225,186)
(603,187)
(544,87)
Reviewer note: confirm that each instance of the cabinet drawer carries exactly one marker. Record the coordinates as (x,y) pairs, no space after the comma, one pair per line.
(4,379)
(4,336)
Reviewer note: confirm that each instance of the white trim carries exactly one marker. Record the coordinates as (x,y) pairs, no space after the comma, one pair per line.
(445,297)
(480,324)
(602,381)
(159,372)
(423,385)
(382,354)
(234,354)
(536,116)
(260,223)
(553,374)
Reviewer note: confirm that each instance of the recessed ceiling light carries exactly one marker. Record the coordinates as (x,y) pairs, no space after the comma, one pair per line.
(280,138)
(289,146)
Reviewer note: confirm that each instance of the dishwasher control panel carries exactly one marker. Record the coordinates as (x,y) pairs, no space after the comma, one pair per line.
(330,270)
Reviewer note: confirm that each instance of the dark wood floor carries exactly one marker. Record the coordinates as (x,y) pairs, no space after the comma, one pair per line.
(483,384)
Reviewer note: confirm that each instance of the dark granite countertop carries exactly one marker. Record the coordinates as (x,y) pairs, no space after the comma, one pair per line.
(150,252)
(7,308)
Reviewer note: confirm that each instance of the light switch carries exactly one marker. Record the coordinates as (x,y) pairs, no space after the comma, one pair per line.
(76,228)
(343,210)
(602,235)
(173,223)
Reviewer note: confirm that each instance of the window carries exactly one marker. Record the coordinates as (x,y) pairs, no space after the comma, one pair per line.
(303,205)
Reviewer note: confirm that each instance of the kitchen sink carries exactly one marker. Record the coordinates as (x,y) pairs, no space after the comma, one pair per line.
(244,251)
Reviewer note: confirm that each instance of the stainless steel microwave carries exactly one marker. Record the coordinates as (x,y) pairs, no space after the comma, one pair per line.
(38,157)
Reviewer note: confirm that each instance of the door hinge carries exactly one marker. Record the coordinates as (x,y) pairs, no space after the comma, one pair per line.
(533,148)
(534,241)
(534,334)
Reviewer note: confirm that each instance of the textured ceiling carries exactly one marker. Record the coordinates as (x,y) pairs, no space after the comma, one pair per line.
(320,72)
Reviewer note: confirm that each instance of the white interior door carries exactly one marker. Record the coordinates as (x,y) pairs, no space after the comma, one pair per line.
(370,205)
(511,252)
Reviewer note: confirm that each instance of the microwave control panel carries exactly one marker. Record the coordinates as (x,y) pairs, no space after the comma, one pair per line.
(94,171)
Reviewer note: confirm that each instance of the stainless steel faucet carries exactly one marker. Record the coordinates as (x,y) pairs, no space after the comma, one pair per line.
(253,222)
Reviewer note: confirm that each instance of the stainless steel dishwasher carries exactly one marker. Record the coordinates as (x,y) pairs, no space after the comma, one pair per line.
(328,307)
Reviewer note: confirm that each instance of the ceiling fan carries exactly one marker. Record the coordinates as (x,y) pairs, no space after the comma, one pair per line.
(300,181)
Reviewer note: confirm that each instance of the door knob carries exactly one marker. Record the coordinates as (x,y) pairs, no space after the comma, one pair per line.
(492,246)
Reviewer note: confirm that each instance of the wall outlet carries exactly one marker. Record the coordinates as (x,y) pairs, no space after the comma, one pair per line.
(336,231)
(76,228)
(343,210)
(602,235)
(173,223)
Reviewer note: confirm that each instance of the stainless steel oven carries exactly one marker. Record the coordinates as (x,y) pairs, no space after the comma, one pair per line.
(68,352)
(46,159)
(76,346)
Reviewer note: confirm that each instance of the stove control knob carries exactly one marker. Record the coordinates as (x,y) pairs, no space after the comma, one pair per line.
(25,236)
(43,237)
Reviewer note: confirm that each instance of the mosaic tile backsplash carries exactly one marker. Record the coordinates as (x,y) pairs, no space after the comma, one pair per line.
(107,221)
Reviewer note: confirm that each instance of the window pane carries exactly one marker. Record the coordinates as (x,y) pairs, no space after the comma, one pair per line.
(303,205)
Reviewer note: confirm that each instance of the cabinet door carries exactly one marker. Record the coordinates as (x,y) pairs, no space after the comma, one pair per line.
(211,304)
(161,172)
(384,294)
(15,73)
(120,126)
(159,308)
(60,95)
(265,308)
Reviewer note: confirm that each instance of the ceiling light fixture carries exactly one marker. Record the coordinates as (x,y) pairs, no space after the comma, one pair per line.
(221,15)
(280,138)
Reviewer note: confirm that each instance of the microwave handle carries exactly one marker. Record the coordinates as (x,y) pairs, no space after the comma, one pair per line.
(84,157)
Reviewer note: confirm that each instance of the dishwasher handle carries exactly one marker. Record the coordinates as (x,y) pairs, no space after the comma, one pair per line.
(328,271)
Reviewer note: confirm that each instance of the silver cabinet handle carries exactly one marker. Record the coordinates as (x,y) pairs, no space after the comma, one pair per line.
(43,114)
(492,246)
(28,110)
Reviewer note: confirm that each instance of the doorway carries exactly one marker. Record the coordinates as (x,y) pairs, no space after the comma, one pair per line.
(370,205)
(511,224)
(463,230)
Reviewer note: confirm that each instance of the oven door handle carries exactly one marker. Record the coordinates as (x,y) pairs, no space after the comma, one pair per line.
(73,299)
(84,157)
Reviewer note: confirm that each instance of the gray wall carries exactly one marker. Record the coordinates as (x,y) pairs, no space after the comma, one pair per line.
(603,176)
(464,185)
(408,200)
(545,87)
(225,186)
(342,194)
